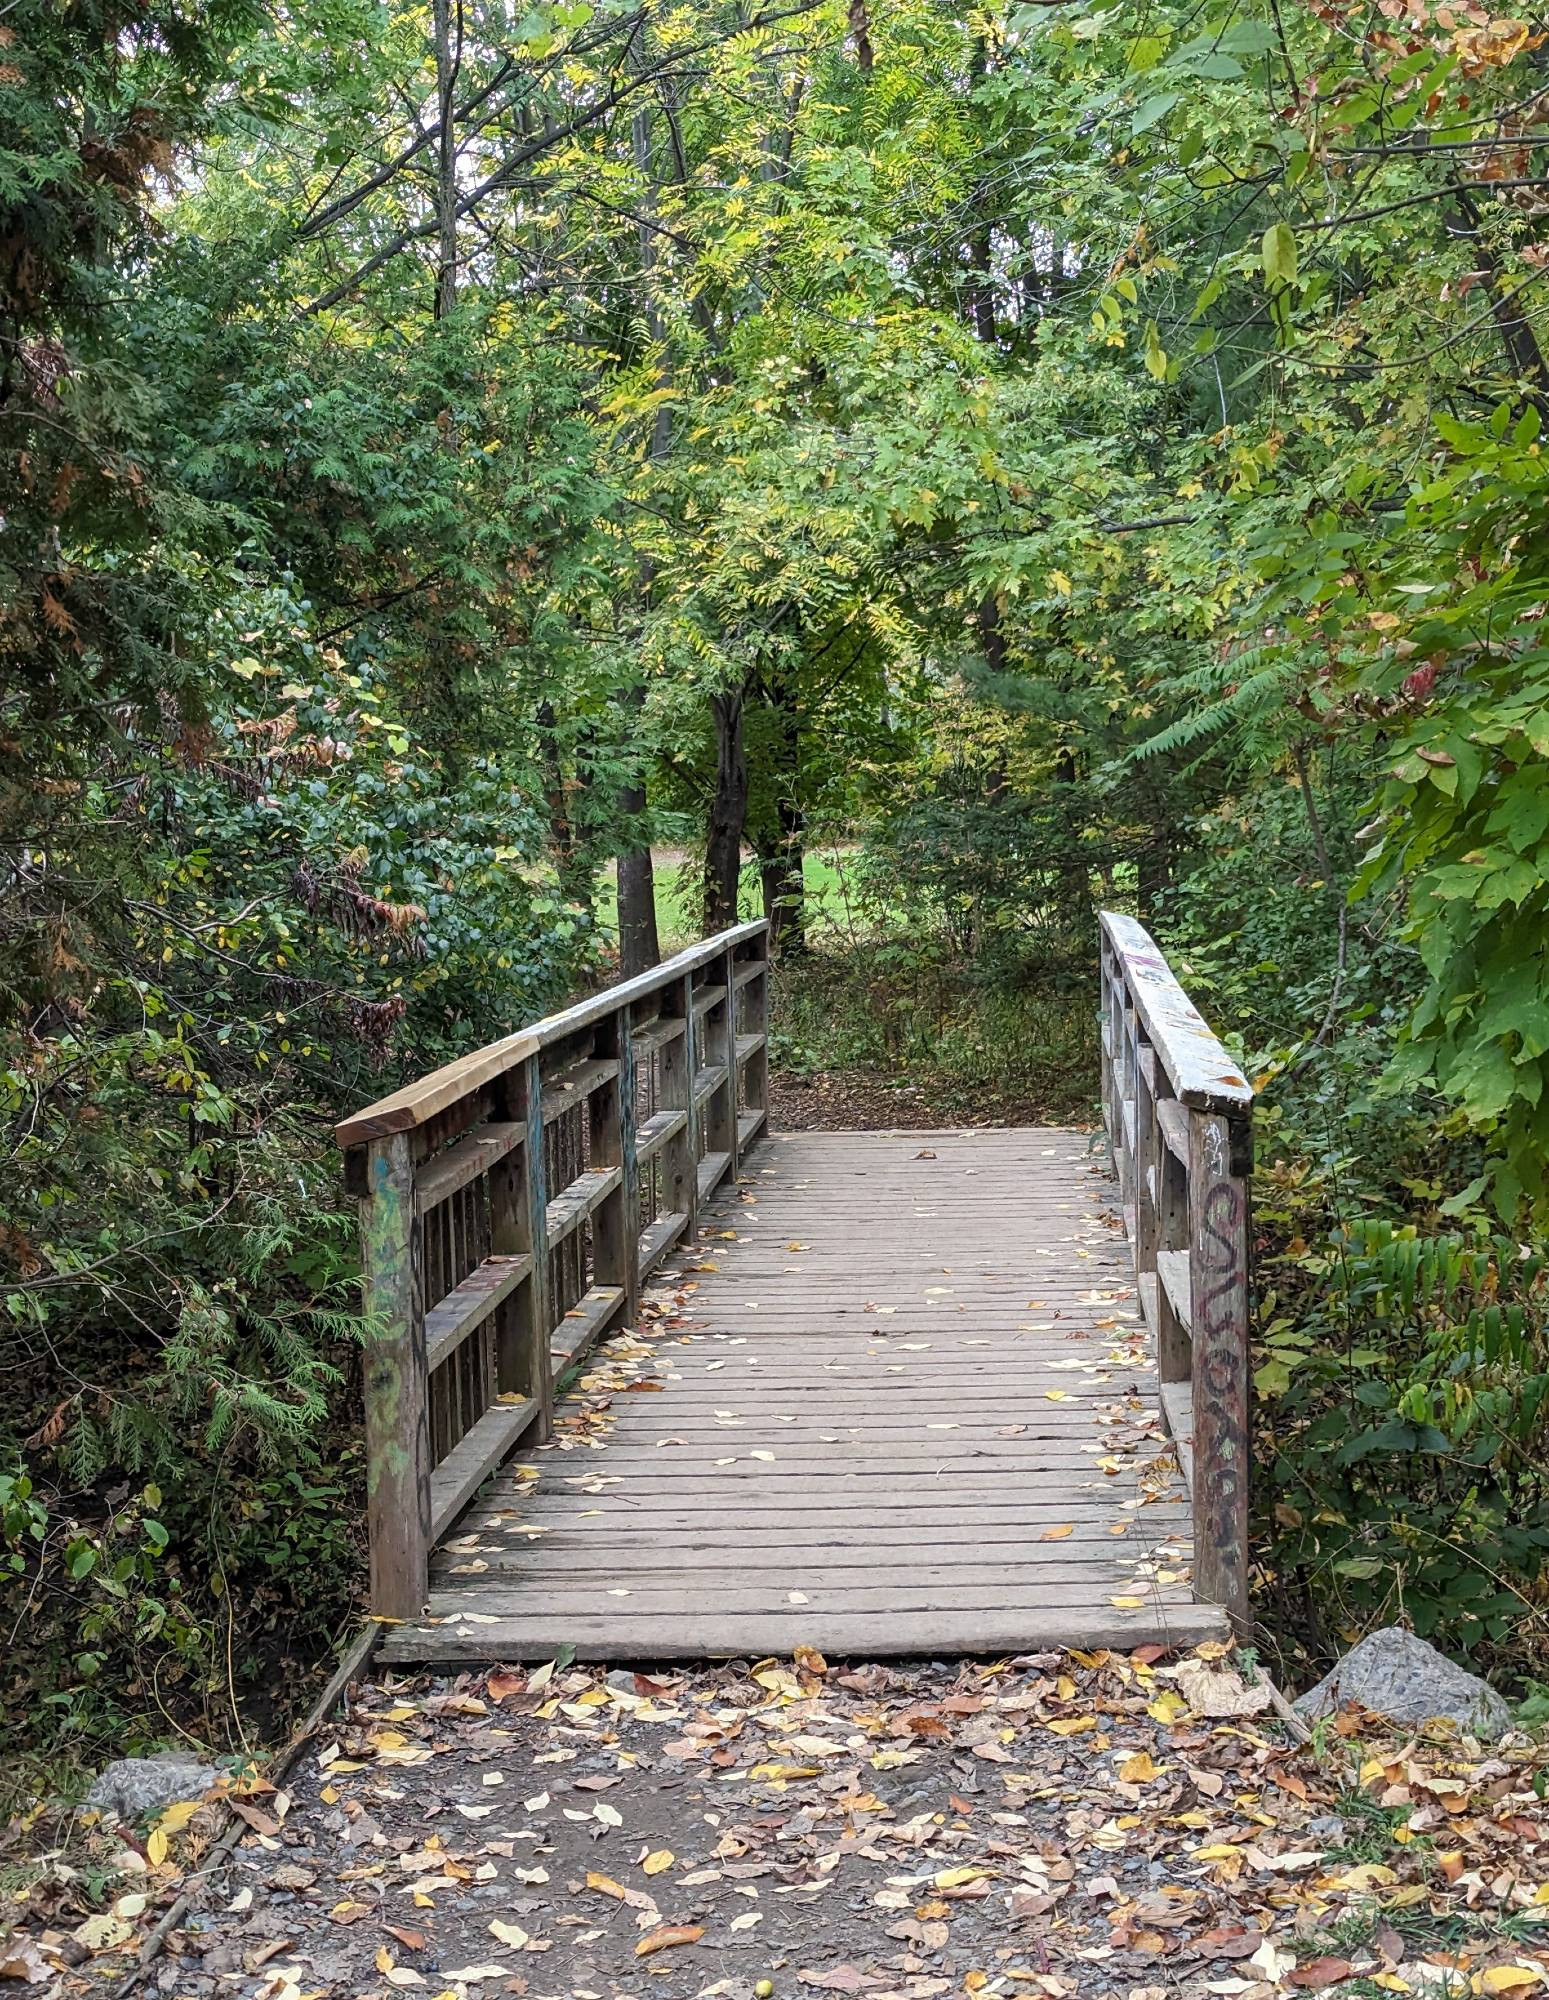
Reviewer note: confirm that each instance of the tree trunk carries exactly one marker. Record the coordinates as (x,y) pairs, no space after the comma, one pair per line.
(448,61)
(728,813)
(571,865)
(639,945)
(639,942)
(783,871)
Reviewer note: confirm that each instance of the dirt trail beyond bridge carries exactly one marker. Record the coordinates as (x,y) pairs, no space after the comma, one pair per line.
(1056,1825)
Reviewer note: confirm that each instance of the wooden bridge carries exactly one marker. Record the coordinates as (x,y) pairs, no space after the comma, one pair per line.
(886,1393)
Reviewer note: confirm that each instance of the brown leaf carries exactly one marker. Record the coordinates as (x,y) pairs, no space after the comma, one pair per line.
(1320,1972)
(667,1936)
(410,1940)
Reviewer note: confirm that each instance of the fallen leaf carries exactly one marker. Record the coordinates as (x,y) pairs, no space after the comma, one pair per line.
(668,1936)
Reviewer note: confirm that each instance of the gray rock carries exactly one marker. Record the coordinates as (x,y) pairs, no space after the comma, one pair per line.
(1395,1674)
(133,1788)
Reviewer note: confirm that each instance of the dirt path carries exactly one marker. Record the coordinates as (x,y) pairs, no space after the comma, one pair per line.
(1052,1826)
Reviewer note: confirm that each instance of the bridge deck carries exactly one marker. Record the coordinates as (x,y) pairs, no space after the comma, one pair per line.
(911,1408)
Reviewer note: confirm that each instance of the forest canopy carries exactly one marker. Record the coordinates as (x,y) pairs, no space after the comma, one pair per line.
(917,474)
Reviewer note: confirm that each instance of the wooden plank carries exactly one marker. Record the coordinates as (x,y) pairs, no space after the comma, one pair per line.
(711,1169)
(657,1034)
(657,1238)
(747,973)
(748,1045)
(707,997)
(465,1161)
(572,1205)
(398,1504)
(416,1102)
(749,1125)
(572,1085)
(593,1311)
(1201,1071)
(611,1635)
(655,1133)
(1173,1118)
(468,1305)
(708,1081)
(460,1475)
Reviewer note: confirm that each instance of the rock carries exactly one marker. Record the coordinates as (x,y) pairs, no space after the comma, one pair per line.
(134,1788)
(1395,1674)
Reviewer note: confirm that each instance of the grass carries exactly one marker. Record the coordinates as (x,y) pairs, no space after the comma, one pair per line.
(834,902)
(877,996)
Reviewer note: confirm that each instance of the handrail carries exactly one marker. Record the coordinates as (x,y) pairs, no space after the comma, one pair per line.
(512,1204)
(1179,1116)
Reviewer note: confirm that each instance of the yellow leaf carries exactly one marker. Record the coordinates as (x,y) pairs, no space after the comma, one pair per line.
(1072,1725)
(177,1816)
(1127,1603)
(1370,1875)
(954,1878)
(1060,581)
(156,1847)
(1167,1707)
(1509,1978)
(605,1885)
(1057,1395)
(655,1863)
(1058,1534)
(511,1934)
(1137,1770)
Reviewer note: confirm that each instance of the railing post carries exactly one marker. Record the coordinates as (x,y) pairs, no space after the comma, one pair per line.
(680,1156)
(728,969)
(616,1225)
(1220,1162)
(396,1390)
(534,1310)
(519,1227)
(720,1105)
(758,1062)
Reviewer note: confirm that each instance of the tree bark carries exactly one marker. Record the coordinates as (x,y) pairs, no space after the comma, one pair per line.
(448,61)
(783,871)
(639,944)
(639,941)
(728,812)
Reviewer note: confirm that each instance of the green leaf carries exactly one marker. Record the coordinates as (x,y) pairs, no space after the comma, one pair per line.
(1279,253)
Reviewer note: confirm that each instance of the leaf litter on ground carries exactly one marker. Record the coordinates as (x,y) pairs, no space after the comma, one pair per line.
(1078,1824)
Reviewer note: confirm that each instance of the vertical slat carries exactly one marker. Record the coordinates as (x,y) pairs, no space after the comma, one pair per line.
(1220,1160)
(1174,1360)
(397,1415)
(616,1221)
(1148,1148)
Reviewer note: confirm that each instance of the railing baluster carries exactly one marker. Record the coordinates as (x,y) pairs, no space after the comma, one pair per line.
(616,1224)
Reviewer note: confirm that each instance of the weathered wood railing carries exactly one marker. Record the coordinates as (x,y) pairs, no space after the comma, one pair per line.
(1180,1122)
(511,1205)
